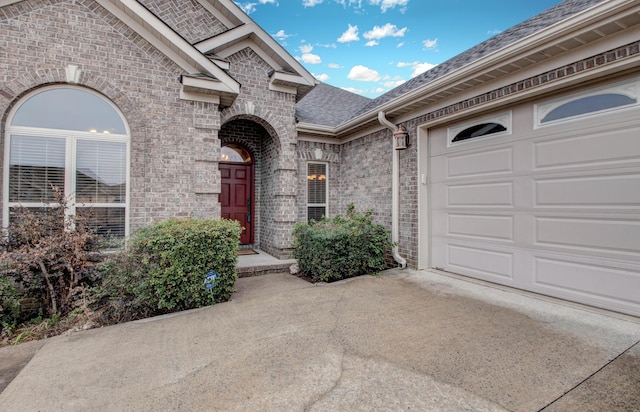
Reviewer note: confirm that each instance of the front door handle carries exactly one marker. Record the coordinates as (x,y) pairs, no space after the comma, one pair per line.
(248,210)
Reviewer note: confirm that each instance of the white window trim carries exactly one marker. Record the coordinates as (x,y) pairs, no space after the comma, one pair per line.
(503,119)
(627,88)
(326,204)
(71,137)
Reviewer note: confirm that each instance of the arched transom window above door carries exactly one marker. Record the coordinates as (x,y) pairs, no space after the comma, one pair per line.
(234,154)
(74,140)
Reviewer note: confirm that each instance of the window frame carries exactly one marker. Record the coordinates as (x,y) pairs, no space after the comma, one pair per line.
(504,119)
(326,203)
(70,137)
(629,88)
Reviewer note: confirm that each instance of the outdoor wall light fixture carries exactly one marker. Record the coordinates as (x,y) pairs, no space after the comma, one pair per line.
(401,138)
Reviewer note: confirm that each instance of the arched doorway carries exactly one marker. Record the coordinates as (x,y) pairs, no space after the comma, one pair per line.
(236,195)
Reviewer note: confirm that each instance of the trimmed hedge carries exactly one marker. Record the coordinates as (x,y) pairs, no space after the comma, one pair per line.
(164,269)
(340,248)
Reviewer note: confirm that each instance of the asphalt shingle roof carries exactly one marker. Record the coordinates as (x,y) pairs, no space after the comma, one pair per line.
(314,112)
(327,105)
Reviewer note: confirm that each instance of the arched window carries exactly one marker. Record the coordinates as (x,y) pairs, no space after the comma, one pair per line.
(495,125)
(77,141)
(588,103)
(234,154)
(479,130)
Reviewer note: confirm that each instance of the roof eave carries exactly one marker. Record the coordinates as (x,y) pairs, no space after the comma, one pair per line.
(522,47)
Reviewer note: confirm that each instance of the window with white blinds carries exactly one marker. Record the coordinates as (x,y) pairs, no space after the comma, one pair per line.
(73,140)
(317,190)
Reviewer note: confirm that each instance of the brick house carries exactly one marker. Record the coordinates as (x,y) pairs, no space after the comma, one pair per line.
(522,168)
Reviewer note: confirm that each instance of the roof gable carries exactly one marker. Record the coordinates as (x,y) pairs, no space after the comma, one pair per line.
(288,74)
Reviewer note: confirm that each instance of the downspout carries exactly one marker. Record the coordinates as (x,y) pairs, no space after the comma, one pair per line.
(395,189)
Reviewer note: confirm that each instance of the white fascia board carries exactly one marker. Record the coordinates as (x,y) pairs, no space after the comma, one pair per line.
(221,15)
(521,47)
(283,89)
(223,64)
(235,34)
(315,129)
(197,97)
(231,8)
(166,40)
(8,2)
(288,78)
(200,83)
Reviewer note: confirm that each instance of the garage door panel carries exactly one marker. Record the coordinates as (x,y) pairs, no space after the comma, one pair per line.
(483,262)
(491,194)
(483,163)
(620,236)
(595,191)
(594,282)
(497,228)
(618,147)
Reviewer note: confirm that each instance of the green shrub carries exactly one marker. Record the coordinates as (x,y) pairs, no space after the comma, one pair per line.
(340,248)
(164,267)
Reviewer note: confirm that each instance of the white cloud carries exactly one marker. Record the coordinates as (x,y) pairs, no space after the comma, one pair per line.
(322,77)
(363,74)
(430,44)
(354,90)
(311,3)
(350,35)
(388,30)
(388,4)
(417,67)
(306,48)
(281,35)
(421,68)
(406,64)
(334,66)
(344,3)
(400,45)
(310,58)
(269,2)
(494,32)
(247,7)
(393,83)
(372,43)
(327,45)
(380,90)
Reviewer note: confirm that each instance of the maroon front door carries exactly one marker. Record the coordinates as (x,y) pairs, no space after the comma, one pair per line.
(236,197)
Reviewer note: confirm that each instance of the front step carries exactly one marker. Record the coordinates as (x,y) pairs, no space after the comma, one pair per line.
(259,270)
(261,263)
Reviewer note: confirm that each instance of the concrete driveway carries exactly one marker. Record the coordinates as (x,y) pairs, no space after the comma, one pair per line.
(403,341)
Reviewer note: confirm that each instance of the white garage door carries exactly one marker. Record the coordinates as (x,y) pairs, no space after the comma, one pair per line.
(554,209)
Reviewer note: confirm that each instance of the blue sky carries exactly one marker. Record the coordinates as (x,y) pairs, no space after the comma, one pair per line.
(371,46)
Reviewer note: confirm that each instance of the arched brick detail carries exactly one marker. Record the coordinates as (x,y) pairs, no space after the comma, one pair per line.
(276,130)
(15,89)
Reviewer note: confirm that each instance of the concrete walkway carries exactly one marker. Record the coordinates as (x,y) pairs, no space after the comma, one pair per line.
(403,341)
